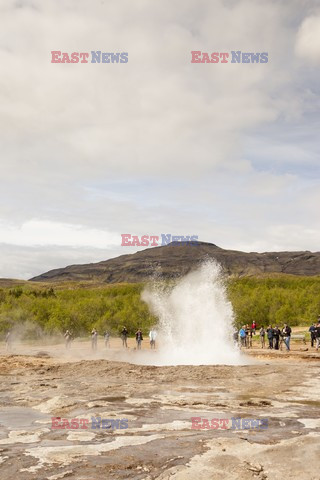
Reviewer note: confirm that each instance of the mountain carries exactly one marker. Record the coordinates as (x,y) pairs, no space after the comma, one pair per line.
(177,259)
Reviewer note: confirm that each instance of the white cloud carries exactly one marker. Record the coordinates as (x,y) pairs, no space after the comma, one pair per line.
(159,113)
(43,233)
(26,262)
(158,145)
(308,39)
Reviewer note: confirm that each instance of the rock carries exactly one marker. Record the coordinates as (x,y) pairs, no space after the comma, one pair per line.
(60,475)
(256,468)
(42,355)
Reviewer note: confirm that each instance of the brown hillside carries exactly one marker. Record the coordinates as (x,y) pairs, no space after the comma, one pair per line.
(177,259)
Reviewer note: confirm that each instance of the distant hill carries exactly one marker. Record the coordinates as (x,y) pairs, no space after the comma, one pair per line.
(176,259)
(11,283)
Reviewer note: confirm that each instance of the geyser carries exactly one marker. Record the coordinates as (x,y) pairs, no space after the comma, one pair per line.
(195,319)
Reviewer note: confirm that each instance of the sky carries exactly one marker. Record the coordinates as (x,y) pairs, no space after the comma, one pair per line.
(227,152)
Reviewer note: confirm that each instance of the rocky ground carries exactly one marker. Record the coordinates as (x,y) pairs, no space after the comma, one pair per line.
(158,404)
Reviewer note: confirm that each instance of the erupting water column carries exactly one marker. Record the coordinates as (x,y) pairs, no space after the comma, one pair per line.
(195,319)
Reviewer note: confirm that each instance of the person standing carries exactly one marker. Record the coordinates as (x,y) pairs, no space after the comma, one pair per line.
(94,339)
(254,327)
(107,339)
(139,339)
(8,341)
(124,336)
(317,335)
(242,335)
(270,336)
(152,336)
(247,330)
(312,331)
(262,336)
(68,338)
(235,337)
(276,337)
(286,335)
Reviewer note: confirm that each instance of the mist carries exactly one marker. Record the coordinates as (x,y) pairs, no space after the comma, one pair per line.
(195,319)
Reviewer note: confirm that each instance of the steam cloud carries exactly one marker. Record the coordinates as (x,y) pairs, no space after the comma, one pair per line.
(195,319)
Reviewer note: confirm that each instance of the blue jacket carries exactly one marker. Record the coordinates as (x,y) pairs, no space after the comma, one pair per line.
(242,333)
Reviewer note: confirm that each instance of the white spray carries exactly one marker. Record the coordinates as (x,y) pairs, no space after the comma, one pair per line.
(195,319)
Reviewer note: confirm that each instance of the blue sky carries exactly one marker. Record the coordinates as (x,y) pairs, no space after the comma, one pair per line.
(228,152)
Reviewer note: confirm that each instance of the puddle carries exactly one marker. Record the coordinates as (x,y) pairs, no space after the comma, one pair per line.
(20,417)
(308,391)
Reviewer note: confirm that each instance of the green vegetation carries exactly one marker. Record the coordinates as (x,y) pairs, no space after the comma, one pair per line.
(36,310)
(275,300)
(39,311)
